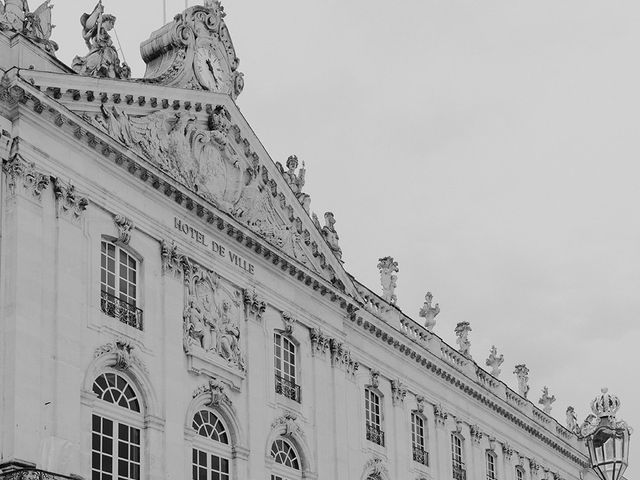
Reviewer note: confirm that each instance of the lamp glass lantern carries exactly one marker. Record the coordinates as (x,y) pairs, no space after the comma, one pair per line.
(607,440)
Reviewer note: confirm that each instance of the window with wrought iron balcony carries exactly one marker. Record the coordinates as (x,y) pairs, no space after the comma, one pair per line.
(375,434)
(287,388)
(285,366)
(418,439)
(119,285)
(459,472)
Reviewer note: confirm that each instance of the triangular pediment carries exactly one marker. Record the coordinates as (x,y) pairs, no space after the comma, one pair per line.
(201,140)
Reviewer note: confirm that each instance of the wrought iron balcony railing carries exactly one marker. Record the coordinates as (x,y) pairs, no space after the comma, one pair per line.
(287,388)
(375,434)
(123,311)
(459,473)
(31,474)
(420,456)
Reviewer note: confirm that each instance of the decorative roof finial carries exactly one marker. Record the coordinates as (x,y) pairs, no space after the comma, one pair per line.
(428,312)
(522,372)
(605,404)
(462,331)
(331,236)
(102,59)
(494,361)
(388,267)
(546,400)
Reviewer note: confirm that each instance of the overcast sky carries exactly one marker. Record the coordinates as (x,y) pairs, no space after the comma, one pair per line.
(491,148)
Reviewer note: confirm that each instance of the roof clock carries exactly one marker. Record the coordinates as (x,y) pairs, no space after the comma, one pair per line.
(194,51)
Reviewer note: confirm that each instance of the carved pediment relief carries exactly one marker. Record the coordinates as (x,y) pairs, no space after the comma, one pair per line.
(206,157)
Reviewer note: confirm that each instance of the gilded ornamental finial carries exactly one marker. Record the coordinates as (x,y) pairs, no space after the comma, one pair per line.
(428,312)
(522,372)
(462,332)
(331,235)
(388,266)
(494,361)
(546,400)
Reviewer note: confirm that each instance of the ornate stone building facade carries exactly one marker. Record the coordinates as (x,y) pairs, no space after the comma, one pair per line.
(170,308)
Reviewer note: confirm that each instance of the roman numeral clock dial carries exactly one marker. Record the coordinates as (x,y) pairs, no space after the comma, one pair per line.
(211,72)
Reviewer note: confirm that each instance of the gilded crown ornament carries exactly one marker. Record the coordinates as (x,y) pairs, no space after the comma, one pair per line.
(605,404)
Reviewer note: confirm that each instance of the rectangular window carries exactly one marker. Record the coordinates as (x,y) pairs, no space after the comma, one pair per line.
(206,466)
(119,285)
(115,448)
(459,472)
(373,417)
(519,473)
(491,466)
(285,367)
(420,454)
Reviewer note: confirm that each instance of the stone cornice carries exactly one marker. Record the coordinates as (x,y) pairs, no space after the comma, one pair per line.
(434,365)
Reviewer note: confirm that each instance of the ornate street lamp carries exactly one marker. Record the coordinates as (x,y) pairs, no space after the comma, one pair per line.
(607,439)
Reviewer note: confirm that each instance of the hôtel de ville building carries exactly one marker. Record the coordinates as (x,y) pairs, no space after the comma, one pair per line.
(171,308)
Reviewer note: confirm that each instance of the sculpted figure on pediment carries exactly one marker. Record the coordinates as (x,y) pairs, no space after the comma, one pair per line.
(331,235)
(296,180)
(15,15)
(211,315)
(102,59)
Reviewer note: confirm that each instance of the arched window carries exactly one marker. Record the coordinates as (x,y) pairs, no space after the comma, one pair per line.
(285,367)
(419,439)
(116,425)
(211,451)
(287,462)
(492,473)
(119,285)
(457,457)
(373,416)
(519,473)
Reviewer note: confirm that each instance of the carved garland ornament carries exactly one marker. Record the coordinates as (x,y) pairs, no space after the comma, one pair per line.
(217,391)
(289,421)
(375,469)
(68,202)
(17,167)
(398,392)
(341,357)
(125,357)
(124,226)
(440,415)
(254,306)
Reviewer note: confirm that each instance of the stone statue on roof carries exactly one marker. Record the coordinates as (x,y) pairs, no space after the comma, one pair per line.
(15,15)
(428,312)
(102,59)
(331,236)
(296,180)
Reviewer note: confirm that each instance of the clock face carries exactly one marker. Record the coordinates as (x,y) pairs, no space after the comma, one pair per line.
(210,70)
